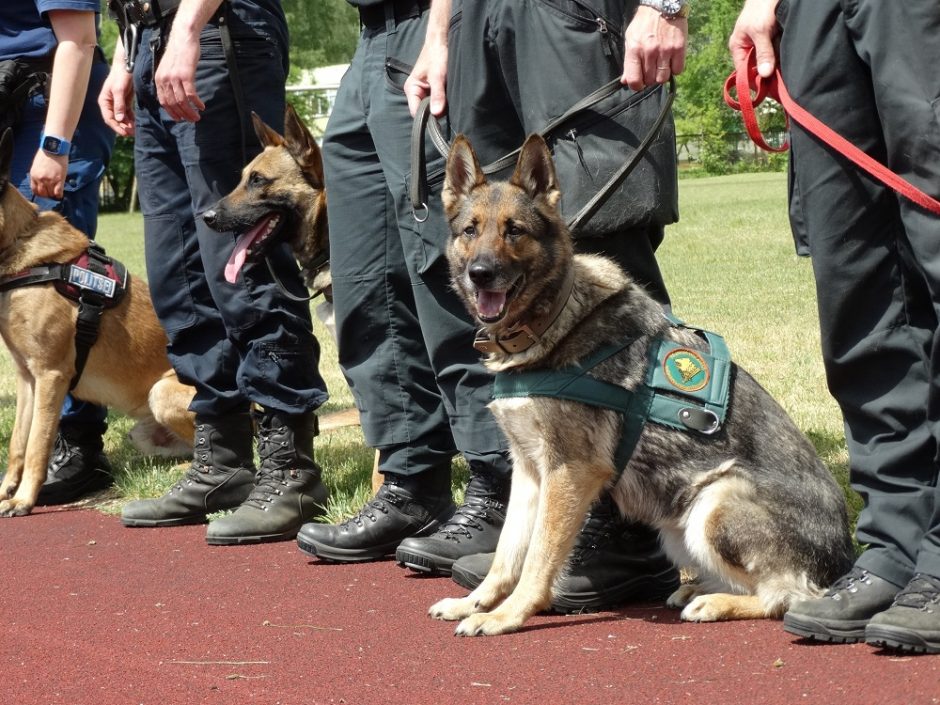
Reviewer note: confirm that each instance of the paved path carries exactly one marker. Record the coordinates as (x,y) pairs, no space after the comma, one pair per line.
(93,613)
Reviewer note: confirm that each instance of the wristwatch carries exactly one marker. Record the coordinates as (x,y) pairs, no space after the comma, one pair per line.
(56,146)
(670,9)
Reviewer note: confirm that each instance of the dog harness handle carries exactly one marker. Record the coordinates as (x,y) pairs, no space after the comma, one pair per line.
(745,79)
(686,389)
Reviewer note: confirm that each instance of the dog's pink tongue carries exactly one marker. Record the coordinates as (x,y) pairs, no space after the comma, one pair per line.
(237,259)
(490,303)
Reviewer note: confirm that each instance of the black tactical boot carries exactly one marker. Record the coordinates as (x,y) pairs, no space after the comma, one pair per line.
(289,490)
(473,529)
(220,477)
(403,507)
(613,562)
(77,467)
(842,613)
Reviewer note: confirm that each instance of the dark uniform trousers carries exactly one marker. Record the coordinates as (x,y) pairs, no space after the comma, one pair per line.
(405,340)
(239,342)
(867,68)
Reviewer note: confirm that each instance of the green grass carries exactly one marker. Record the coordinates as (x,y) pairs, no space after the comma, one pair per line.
(730,267)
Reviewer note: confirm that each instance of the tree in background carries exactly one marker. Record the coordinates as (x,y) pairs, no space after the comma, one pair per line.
(700,110)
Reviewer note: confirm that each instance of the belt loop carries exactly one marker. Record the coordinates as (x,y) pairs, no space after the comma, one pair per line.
(389,16)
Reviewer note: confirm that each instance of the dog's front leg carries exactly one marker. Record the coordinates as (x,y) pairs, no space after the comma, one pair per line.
(511,549)
(16,457)
(43,420)
(564,498)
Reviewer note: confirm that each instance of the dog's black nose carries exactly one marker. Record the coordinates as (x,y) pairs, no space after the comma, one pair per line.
(210,217)
(481,273)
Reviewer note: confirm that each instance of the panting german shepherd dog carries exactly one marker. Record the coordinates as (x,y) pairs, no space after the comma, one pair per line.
(596,388)
(126,368)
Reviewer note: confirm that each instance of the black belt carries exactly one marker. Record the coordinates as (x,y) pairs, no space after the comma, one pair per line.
(150,12)
(373,16)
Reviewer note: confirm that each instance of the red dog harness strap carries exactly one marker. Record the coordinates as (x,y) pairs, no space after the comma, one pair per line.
(745,78)
(93,279)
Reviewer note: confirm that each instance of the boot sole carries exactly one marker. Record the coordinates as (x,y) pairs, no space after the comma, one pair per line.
(155,523)
(425,563)
(334,554)
(809,628)
(238,540)
(900,639)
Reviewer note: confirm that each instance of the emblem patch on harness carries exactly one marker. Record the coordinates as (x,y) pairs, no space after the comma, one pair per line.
(86,279)
(686,370)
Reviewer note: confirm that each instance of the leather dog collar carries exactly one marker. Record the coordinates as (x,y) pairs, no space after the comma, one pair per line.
(523,336)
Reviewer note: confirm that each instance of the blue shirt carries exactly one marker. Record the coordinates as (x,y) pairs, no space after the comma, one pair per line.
(25,30)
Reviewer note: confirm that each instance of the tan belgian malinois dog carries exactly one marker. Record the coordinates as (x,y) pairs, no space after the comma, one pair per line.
(596,388)
(127,367)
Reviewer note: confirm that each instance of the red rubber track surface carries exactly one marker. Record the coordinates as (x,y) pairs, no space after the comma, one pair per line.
(95,613)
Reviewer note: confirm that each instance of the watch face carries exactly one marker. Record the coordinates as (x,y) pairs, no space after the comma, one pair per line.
(672,7)
(52,144)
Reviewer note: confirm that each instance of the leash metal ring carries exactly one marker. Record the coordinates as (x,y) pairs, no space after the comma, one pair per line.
(415,211)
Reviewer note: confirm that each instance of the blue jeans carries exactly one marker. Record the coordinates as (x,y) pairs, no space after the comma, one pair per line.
(91,150)
(235,343)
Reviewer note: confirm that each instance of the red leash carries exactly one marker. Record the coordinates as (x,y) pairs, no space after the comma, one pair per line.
(746,79)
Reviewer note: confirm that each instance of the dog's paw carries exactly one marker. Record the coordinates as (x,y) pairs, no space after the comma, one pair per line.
(451,609)
(704,608)
(683,596)
(14,508)
(489,624)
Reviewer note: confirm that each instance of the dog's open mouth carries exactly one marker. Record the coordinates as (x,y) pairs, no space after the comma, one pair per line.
(492,303)
(251,243)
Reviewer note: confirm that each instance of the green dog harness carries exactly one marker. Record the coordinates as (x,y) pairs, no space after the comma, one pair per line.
(685,389)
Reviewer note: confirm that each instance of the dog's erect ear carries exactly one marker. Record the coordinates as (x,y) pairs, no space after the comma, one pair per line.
(303,147)
(535,170)
(6,157)
(267,136)
(463,173)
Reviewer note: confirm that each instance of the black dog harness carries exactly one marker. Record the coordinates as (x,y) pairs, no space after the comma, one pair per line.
(93,279)
(685,389)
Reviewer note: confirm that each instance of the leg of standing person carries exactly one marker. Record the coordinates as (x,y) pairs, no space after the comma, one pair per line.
(78,464)
(405,342)
(505,60)
(239,343)
(877,269)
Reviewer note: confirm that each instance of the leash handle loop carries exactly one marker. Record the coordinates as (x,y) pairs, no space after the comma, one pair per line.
(745,78)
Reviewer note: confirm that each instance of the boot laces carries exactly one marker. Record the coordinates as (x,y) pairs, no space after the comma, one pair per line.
(848,582)
(596,531)
(276,458)
(375,506)
(61,451)
(920,593)
(472,514)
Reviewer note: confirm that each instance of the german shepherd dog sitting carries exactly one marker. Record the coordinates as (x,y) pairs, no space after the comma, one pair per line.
(127,367)
(746,503)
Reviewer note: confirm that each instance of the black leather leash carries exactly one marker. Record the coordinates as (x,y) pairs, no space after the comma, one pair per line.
(423,124)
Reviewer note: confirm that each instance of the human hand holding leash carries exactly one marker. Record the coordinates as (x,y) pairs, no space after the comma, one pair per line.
(654,48)
(429,75)
(756,27)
